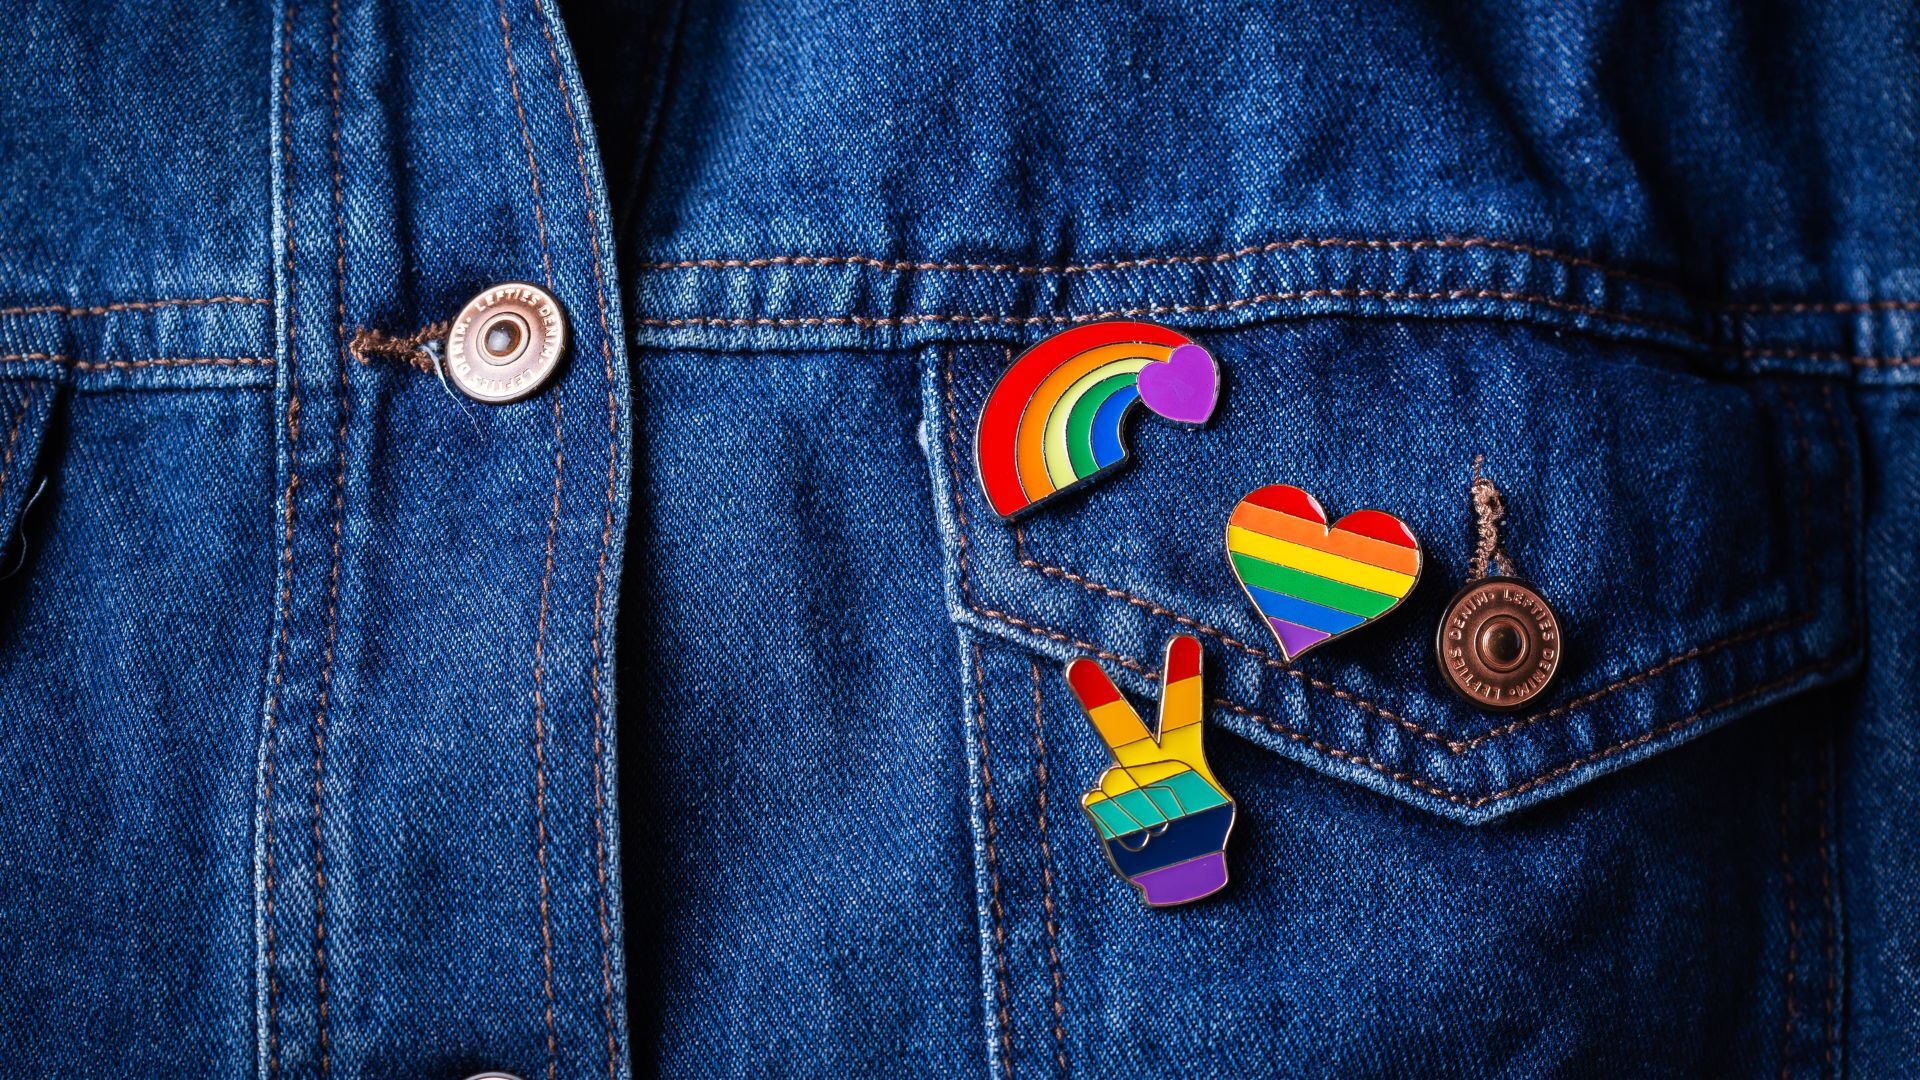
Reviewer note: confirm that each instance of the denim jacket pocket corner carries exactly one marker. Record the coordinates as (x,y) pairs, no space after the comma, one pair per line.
(1695,534)
(27,408)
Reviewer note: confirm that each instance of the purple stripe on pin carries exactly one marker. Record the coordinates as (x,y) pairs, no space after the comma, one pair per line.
(1182,882)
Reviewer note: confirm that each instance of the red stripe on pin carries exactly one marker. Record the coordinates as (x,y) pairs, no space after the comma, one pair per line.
(1288,499)
(1380,526)
(1090,684)
(1183,659)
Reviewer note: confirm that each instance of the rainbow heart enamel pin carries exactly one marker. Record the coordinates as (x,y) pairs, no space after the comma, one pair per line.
(1311,581)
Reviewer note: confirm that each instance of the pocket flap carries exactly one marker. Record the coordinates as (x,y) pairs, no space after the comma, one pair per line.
(1695,535)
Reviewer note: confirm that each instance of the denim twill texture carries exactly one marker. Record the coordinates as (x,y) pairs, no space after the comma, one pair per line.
(312,671)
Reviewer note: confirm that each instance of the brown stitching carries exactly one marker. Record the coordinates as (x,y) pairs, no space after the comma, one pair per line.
(546,584)
(986,773)
(343,403)
(371,345)
(1842,439)
(1444,243)
(1457,746)
(1829,948)
(123,365)
(131,305)
(13,435)
(1057,979)
(1656,670)
(1841,307)
(1853,359)
(1551,775)
(1407,778)
(1002,991)
(1179,309)
(1792,1012)
(526,140)
(953,473)
(600,570)
(285,612)
(539,746)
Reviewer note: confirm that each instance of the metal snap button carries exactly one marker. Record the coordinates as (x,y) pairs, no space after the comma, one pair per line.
(493,1076)
(506,343)
(1499,644)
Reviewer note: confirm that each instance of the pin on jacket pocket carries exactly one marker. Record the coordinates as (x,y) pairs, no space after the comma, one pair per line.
(1162,816)
(1057,418)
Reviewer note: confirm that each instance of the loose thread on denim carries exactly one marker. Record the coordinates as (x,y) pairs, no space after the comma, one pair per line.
(415,349)
(995,906)
(21,542)
(1489,509)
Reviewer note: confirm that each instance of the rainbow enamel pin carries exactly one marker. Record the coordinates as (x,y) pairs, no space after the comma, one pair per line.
(1057,418)
(1161,813)
(1311,581)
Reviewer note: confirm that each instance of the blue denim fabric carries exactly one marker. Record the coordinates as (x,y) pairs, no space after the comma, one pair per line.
(694,717)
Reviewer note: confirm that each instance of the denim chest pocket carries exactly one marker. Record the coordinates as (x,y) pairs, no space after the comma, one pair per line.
(1695,534)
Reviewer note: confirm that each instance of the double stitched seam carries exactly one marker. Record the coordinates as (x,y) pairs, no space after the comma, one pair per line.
(343,405)
(546,585)
(1289,733)
(1841,438)
(286,587)
(1830,946)
(1854,359)
(596,664)
(132,305)
(1260,300)
(27,398)
(1456,746)
(1791,307)
(1833,307)
(1056,979)
(1307,243)
(1805,670)
(996,909)
(891,266)
(125,365)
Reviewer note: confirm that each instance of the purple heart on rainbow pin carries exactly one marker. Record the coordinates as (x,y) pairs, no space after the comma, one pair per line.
(1185,388)
(1058,417)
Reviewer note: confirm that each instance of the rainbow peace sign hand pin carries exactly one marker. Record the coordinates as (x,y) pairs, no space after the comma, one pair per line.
(1162,816)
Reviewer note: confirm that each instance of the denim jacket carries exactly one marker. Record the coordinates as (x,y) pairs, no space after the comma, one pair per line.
(696,716)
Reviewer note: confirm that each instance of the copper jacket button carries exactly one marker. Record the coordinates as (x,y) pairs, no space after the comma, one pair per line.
(506,343)
(1499,645)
